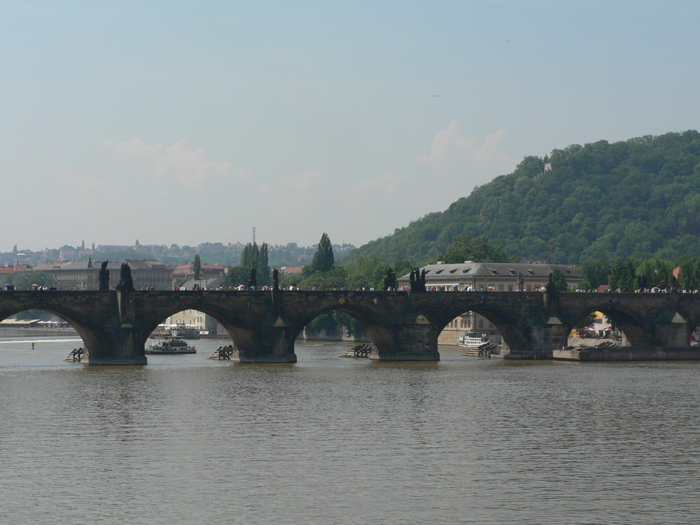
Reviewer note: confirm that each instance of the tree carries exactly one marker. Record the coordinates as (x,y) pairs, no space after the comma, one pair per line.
(584,285)
(323,260)
(236,276)
(333,279)
(263,266)
(250,255)
(197,268)
(465,248)
(654,273)
(596,272)
(366,272)
(559,280)
(622,276)
(254,257)
(689,276)
(323,323)
(25,280)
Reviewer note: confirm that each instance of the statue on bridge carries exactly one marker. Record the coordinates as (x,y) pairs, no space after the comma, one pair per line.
(520,283)
(275,280)
(126,284)
(103,277)
(418,280)
(390,280)
(550,287)
(253,282)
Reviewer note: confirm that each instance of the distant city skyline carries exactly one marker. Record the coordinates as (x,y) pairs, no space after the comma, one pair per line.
(175,122)
(105,247)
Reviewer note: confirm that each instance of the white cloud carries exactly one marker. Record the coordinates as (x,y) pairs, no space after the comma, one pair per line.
(191,165)
(302,182)
(452,151)
(387,183)
(85,184)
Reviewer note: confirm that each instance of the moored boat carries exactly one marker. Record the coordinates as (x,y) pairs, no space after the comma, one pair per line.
(472,339)
(170,346)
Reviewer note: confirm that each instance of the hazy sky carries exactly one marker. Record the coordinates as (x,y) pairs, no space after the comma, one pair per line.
(187,122)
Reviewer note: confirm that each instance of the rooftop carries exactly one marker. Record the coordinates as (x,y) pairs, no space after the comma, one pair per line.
(457,271)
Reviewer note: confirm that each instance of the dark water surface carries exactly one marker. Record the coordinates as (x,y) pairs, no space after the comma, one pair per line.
(331,440)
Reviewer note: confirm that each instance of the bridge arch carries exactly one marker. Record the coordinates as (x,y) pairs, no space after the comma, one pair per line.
(379,333)
(235,325)
(631,324)
(513,336)
(77,320)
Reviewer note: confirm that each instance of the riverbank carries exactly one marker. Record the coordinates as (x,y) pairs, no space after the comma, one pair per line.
(37,332)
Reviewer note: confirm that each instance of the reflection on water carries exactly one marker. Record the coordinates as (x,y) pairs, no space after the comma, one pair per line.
(330,440)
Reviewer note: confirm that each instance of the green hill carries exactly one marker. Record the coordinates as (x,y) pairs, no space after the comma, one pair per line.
(599,201)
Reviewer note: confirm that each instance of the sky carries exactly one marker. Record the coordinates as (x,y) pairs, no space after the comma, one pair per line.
(173,122)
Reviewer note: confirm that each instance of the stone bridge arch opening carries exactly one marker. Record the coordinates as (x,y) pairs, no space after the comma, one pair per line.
(182,321)
(487,324)
(632,330)
(348,324)
(33,323)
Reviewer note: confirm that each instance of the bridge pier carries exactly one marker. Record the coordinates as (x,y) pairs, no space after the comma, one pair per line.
(671,330)
(120,345)
(408,342)
(266,344)
(543,340)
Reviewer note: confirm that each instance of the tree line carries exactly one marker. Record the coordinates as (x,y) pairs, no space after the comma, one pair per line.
(642,271)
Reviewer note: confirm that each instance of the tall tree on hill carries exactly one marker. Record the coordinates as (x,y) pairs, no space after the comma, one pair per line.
(197,268)
(323,258)
(263,266)
(250,255)
(254,257)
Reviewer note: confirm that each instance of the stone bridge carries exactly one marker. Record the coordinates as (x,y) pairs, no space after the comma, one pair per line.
(404,326)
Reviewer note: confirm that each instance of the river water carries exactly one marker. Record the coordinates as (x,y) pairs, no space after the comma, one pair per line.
(331,440)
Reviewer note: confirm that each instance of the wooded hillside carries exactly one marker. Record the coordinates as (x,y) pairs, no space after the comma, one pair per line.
(600,201)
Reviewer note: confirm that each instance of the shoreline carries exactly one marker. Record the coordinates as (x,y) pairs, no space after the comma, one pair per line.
(38,331)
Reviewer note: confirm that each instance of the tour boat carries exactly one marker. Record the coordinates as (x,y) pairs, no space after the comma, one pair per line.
(171,346)
(472,339)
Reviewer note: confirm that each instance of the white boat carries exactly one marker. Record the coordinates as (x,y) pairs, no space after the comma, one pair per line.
(472,339)
(170,346)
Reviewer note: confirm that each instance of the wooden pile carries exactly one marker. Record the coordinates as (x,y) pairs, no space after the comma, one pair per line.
(76,355)
(361,351)
(484,350)
(223,353)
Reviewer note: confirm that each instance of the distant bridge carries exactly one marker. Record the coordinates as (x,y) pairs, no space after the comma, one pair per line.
(404,326)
